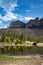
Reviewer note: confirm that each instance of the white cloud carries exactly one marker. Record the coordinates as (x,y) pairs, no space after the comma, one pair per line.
(1,22)
(27,10)
(12,6)
(34,6)
(8,4)
(5,26)
(20,17)
(23,18)
(28,18)
(9,16)
(0,16)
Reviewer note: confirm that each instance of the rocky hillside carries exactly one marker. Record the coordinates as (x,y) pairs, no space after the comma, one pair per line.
(36,23)
(33,24)
(17,24)
(33,27)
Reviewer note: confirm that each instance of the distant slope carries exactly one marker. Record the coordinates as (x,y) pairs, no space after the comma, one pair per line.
(25,31)
(17,24)
(33,27)
(35,24)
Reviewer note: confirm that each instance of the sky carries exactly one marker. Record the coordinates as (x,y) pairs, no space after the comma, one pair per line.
(24,10)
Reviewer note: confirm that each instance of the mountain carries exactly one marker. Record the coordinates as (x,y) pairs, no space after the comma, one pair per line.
(33,24)
(36,23)
(41,21)
(17,24)
(34,27)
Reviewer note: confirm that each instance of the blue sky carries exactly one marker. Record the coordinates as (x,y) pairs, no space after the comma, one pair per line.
(24,10)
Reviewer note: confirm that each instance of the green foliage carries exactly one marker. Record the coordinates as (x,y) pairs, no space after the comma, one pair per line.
(6,58)
(21,38)
(11,39)
(34,39)
(21,50)
(3,37)
(7,39)
(17,41)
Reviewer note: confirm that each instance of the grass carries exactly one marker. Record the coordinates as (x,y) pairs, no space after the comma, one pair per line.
(5,58)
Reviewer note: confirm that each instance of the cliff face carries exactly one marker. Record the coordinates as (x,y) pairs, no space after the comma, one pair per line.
(33,24)
(36,23)
(17,24)
(41,21)
(33,27)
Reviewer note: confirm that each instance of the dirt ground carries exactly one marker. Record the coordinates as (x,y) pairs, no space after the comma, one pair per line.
(23,62)
(35,61)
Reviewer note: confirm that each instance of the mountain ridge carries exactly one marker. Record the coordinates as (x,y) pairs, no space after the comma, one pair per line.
(33,23)
(33,27)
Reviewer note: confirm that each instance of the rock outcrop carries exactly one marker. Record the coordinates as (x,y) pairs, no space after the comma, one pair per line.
(17,24)
(36,23)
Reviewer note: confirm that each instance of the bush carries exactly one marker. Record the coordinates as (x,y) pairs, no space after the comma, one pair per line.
(17,41)
(3,37)
(34,39)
